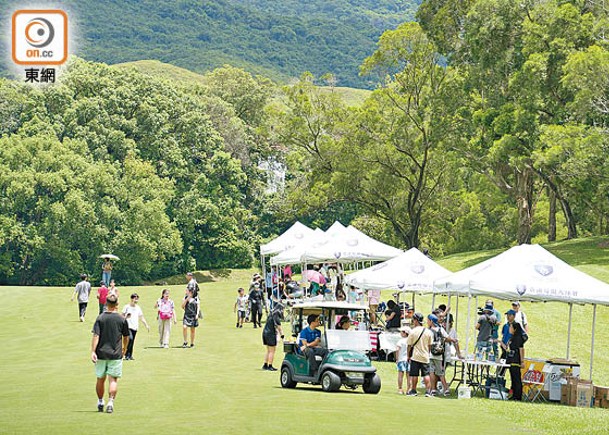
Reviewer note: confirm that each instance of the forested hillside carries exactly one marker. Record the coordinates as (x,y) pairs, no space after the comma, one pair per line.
(280,39)
(488,127)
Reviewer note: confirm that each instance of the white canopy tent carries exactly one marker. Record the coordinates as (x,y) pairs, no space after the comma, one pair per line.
(410,271)
(317,238)
(349,246)
(291,237)
(529,273)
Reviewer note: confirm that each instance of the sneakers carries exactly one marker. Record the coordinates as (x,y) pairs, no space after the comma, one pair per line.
(184,345)
(446,393)
(412,393)
(401,392)
(82,319)
(110,408)
(100,406)
(430,394)
(265,366)
(192,345)
(165,346)
(271,369)
(237,325)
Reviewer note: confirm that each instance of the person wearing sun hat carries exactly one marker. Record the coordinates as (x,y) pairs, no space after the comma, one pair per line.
(437,363)
(520,316)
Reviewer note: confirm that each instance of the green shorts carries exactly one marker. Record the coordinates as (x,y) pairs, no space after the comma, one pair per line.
(111,367)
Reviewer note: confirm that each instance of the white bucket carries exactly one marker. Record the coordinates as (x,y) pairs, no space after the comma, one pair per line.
(464,392)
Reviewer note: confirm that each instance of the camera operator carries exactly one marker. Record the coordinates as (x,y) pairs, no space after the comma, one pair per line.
(485,330)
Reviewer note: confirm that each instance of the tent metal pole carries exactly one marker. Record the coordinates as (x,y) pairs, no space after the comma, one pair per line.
(456,312)
(469,304)
(592,346)
(469,309)
(263,264)
(569,330)
(433,302)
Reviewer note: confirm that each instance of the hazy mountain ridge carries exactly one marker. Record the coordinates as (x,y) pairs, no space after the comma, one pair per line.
(277,39)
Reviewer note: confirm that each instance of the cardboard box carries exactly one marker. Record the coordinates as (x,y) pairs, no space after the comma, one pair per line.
(601,393)
(585,395)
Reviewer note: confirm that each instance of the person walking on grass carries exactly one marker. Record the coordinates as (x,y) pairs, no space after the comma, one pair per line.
(192,284)
(419,346)
(166,314)
(110,338)
(256,299)
(102,294)
(82,291)
(272,329)
(240,307)
(112,289)
(133,313)
(401,359)
(191,307)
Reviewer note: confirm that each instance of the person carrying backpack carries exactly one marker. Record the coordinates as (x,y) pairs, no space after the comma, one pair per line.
(437,363)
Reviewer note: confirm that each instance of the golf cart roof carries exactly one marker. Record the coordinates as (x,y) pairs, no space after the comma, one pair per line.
(329,305)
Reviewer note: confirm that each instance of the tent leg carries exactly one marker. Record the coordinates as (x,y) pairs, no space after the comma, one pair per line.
(457,312)
(592,347)
(433,302)
(263,265)
(569,330)
(469,309)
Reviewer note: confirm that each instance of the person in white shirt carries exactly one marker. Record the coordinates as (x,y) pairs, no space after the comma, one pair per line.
(520,316)
(133,313)
(401,358)
(240,307)
(82,291)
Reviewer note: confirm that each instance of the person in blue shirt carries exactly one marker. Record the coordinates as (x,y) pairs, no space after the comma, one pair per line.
(309,342)
(506,337)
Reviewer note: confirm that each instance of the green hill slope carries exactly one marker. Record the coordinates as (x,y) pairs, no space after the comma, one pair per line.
(277,39)
(175,74)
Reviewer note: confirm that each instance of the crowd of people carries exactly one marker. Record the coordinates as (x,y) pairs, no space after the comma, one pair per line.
(425,348)
(114,330)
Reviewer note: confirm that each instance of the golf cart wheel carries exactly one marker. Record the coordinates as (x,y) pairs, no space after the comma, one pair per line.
(286,378)
(372,384)
(330,381)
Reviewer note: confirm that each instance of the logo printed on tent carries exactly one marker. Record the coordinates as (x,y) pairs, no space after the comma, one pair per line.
(352,242)
(417,268)
(337,255)
(521,289)
(298,236)
(544,269)
(379,266)
(401,284)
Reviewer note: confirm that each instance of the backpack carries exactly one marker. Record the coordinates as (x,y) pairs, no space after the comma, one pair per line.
(437,346)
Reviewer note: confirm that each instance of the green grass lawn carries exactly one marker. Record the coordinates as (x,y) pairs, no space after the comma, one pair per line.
(48,380)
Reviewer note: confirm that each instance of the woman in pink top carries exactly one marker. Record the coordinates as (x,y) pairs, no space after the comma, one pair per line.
(166,313)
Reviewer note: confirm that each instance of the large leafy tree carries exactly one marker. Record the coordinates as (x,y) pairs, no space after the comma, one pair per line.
(512,55)
(174,195)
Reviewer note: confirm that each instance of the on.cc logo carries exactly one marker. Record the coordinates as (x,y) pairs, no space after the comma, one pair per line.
(39,32)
